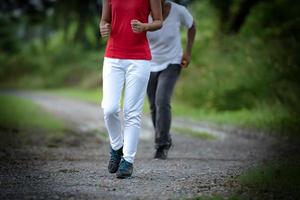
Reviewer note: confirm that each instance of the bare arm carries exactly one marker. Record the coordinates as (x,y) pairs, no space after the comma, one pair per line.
(104,25)
(191,33)
(156,12)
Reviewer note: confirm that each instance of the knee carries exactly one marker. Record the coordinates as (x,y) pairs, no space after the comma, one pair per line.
(111,110)
(132,118)
(162,103)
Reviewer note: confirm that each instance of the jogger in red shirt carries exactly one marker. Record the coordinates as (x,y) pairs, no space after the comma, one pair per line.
(126,64)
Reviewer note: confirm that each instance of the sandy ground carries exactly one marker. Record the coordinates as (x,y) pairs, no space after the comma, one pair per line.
(75,166)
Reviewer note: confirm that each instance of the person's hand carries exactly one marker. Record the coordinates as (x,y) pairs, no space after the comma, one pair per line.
(185,60)
(137,26)
(105,29)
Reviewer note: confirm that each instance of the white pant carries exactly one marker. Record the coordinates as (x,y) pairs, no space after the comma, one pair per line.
(135,75)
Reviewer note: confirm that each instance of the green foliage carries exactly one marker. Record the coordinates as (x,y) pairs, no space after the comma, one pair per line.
(237,74)
(51,65)
(277,180)
(234,72)
(18,113)
(8,41)
(249,79)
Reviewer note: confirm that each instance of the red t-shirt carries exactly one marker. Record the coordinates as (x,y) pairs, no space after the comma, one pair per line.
(123,43)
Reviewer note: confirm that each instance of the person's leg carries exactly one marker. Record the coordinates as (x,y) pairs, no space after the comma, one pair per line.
(166,82)
(113,81)
(137,76)
(151,91)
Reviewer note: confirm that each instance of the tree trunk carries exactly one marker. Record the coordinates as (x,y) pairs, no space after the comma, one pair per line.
(241,15)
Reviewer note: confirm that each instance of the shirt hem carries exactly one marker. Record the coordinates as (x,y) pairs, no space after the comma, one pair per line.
(133,57)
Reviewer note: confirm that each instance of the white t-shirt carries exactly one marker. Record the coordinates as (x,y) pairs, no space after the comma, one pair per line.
(165,43)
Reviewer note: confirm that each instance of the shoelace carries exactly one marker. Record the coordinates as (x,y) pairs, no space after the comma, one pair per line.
(114,156)
(124,165)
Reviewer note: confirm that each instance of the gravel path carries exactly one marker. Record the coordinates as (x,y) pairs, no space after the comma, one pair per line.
(76,167)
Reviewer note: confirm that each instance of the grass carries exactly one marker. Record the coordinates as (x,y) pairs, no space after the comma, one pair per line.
(24,123)
(264,116)
(199,134)
(89,95)
(215,198)
(279,179)
(23,114)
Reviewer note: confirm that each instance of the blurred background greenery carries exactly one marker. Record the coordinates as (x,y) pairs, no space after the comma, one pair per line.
(244,72)
(244,69)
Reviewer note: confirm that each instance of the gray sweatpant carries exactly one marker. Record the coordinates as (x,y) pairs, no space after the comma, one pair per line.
(160,89)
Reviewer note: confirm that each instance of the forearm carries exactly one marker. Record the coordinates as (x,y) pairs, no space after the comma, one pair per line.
(153,26)
(191,33)
(106,13)
(103,22)
(156,13)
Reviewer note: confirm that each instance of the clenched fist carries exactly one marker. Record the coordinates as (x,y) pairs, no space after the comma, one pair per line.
(105,29)
(185,60)
(137,26)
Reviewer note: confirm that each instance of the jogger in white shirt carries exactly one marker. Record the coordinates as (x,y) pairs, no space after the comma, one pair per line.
(167,61)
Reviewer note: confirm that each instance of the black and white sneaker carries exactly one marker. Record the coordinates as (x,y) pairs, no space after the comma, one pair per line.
(125,169)
(115,158)
(161,153)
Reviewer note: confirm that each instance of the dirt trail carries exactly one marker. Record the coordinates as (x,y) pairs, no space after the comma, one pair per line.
(76,167)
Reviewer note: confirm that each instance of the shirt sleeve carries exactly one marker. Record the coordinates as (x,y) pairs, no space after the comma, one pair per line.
(186,19)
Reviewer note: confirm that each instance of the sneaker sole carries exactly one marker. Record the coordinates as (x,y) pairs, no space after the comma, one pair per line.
(156,158)
(112,172)
(124,177)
